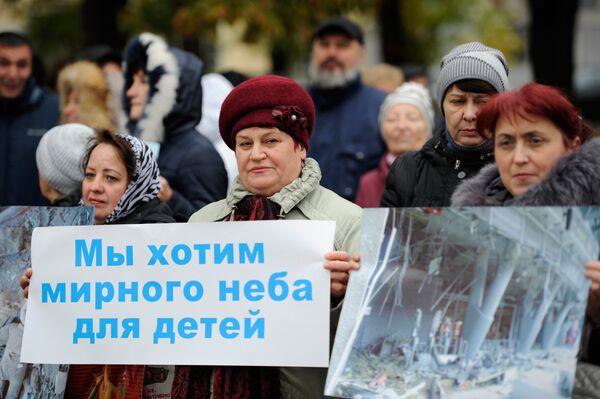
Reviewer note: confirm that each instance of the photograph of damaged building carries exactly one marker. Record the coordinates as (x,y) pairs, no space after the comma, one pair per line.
(21,380)
(465,303)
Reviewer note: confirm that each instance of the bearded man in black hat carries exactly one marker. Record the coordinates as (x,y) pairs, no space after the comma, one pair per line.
(346,140)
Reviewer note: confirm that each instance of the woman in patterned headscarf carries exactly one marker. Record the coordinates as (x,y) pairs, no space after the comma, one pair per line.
(121,182)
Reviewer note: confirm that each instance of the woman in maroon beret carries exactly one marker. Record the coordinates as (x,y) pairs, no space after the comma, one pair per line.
(268,121)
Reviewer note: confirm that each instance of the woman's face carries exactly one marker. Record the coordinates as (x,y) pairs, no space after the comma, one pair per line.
(105,180)
(268,159)
(70,111)
(138,95)
(526,150)
(460,111)
(404,129)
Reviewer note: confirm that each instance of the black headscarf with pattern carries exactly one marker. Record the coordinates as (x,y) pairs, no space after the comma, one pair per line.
(144,186)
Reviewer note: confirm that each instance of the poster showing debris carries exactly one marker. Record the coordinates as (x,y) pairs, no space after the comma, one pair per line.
(18,380)
(465,303)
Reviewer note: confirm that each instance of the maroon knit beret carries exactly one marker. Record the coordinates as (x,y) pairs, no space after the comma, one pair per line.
(268,101)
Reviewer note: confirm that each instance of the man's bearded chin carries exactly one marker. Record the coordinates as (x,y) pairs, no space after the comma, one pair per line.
(327,79)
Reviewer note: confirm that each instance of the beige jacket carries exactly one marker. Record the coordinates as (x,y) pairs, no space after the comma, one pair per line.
(305,199)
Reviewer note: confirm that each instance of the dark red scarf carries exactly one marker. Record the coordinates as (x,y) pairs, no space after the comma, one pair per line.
(253,207)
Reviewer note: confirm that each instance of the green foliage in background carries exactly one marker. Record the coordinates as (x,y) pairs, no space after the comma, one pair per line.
(148,16)
(53,26)
(282,23)
(436,26)
(432,26)
(54,31)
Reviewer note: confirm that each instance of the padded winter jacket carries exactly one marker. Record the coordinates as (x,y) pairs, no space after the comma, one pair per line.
(346,141)
(429,176)
(23,121)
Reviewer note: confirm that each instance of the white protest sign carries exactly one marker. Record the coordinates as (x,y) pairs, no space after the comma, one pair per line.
(233,293)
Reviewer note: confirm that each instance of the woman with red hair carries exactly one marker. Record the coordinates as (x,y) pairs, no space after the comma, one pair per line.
(544,152)
(545,156)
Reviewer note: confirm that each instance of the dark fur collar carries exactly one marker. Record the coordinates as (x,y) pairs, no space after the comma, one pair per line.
(575,180)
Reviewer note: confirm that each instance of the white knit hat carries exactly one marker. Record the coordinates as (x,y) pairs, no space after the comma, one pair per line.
(59,156)
(409,93)
(472,61)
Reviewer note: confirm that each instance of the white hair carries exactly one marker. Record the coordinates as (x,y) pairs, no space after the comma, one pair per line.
(325,79)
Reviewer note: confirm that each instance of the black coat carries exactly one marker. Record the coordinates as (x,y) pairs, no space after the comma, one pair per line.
(68,200)
(428,177)
(154,211)
(23,121)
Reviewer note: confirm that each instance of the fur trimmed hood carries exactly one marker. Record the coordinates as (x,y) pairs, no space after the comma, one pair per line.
(574,180)
(175,94)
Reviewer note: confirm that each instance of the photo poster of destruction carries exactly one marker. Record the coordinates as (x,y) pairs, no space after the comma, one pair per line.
(465,303)
(19,380)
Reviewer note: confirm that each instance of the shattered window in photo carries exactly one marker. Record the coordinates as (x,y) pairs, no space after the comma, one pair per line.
(465,303)
(21,380)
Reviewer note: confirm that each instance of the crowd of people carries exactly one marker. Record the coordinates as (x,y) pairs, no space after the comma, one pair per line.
(155,141)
